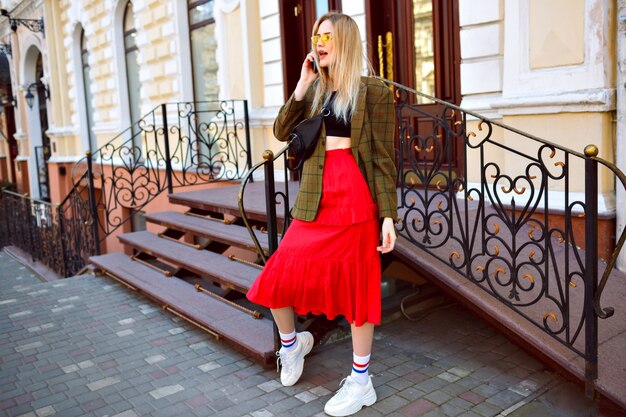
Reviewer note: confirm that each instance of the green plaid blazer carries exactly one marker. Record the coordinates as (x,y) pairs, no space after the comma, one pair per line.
(372,143)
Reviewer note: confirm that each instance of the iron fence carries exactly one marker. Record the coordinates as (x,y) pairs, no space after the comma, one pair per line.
(33,226)
(174,145)
(505,209)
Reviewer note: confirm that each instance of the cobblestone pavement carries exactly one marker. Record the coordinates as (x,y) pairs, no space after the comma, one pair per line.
(88,346)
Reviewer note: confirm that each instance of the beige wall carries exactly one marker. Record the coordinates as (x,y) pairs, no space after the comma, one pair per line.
(556,30)
(571,130)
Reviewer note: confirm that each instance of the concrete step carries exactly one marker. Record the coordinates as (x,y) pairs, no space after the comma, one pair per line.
(225,199)
(206,264)
(229,234)
(239,329)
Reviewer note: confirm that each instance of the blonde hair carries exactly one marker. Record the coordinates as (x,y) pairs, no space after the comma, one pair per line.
(345,71)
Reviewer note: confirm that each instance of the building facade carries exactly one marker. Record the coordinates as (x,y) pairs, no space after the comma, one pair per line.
(547,68)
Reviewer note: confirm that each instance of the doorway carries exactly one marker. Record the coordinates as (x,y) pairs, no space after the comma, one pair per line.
(416,43)
(297,18)
(7,118)
(42,152)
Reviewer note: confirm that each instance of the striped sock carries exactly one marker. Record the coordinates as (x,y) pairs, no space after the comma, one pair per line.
(289,341)
(360,366)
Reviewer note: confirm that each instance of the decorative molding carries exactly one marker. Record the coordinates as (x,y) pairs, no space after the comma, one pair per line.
(592,100)
(496,106)
(481,104)
(263,115)
(65,159)
(519,79)
(62,131)
(110,128)
(27,9)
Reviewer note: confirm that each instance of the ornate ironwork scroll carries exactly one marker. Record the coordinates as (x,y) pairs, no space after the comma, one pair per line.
(511,220)
(174,145)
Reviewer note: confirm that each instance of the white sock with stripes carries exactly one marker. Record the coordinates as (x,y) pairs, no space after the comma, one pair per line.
(360,366)
(289,341)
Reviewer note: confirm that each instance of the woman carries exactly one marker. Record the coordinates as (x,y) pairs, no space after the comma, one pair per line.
(328,261)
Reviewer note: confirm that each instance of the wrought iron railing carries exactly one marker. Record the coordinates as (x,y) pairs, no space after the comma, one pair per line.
(278,196)
(505,209)
(58,236)
(174,145)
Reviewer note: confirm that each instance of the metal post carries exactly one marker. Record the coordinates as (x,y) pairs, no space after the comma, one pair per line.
(62,239)
(247,128)
(168,159)
(92,203)
(30,221)
(270,205)
(591,269)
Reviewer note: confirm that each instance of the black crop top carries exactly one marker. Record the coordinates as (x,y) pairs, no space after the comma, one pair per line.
(334,125)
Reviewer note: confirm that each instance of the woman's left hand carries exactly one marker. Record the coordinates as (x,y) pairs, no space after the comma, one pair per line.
(389,236)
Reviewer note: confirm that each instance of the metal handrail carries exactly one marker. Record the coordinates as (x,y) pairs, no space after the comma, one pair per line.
(269,159)
(521,271)
(174,145)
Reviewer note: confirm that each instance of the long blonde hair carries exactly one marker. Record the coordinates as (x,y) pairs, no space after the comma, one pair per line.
(345,71)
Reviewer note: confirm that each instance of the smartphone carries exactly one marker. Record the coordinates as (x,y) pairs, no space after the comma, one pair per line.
(314,66)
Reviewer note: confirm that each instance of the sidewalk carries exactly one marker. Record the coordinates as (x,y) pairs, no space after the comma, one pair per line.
(88,346)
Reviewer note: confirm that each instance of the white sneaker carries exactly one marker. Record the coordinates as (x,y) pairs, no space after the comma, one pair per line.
(350,398)
(292,363)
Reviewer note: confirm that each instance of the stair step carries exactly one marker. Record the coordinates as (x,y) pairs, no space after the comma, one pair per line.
(230,234)
(239,329)
(225,199)
(206,264)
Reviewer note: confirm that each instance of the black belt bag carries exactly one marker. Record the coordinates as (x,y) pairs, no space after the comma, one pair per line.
(303,139)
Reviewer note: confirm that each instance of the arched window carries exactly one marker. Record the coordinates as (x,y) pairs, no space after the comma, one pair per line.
(84,60)
(203,49)
(132,68)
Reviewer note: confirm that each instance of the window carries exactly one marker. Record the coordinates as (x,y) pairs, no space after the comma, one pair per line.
(132,69)
(203,50)
(84,60)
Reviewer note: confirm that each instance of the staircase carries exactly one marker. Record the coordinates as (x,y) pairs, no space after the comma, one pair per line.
(494,243)
(195,267)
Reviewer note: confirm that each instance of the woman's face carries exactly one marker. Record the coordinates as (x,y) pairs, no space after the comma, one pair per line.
(325,52)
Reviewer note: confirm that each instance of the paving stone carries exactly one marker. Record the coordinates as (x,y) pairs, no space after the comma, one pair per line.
(486,409)
(437,397)
(284,405)
(525,388)
(261,413)
(460,372)
(417,408)
(472,397)
(504,399)
(469,414)
(486,390)
(96,385)
(448,377)
(431,385)
(450,410)
(391,403)
(411,394)
(84,359)
(270,386)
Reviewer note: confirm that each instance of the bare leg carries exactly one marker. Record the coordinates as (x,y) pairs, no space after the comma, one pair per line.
(362,338)
(284,319)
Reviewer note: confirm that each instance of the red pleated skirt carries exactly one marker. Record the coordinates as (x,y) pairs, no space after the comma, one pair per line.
(330,265)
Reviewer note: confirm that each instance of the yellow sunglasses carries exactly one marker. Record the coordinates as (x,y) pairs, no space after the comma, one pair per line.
(326,37)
